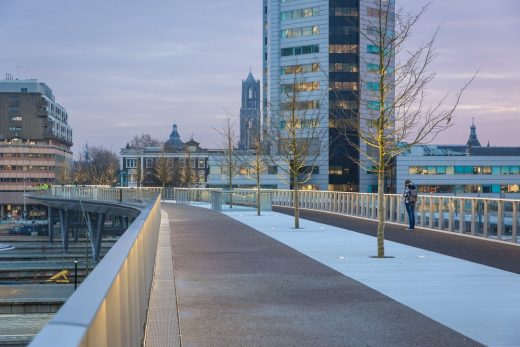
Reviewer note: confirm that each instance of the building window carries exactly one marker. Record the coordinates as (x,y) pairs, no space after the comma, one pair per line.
(343,67)
(373,105)
(298,32)
(149,163)
(373,86)
(202,164)
(15,128)
(272,169)
(344,11)
(373,67)
(300,105)
(343,49)
(335,170)
(16,118)
(336,86)
(300,87)
(131,163)
(345,105)
(304,68)
(300,13)
(23,90)
(372,49)
(285,52)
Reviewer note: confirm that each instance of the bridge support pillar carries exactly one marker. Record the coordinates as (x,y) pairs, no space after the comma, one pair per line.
(50,216)
(99,235)
(64,221)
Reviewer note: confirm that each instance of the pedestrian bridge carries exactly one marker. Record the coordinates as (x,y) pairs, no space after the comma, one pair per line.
(110,307)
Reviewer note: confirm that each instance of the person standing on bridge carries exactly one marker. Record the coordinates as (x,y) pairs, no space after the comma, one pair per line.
(410,197)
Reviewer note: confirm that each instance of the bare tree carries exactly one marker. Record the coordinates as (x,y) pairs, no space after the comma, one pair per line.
(296,132)
(97,166)
(163,172)
(144,140)
(258,167)
(395,113)
(188,175)
(231,161)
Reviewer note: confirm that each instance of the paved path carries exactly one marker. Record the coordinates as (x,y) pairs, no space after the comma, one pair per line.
(495,254)
(479,301)
(239,287)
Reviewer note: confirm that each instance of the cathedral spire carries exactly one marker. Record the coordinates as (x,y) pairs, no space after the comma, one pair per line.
(473,140)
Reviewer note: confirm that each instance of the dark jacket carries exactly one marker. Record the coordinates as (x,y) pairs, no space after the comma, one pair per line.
(406,193)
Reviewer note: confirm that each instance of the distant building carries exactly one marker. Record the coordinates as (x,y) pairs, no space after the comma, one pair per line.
(316,48)
(244,172)
(249,112)
(35,142)
(469,169)
(139,165)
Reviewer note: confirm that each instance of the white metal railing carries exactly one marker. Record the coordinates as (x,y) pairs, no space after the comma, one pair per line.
(491,218)
(109,307)
(100,193)
(236,197)
(485,217)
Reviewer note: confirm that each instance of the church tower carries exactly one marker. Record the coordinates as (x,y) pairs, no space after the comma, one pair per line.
(473,140)
(249,112)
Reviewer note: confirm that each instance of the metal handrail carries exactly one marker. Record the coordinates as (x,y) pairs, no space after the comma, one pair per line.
(489,218)
(109,307)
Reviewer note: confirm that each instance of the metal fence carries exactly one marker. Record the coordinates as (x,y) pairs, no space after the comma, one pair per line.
(124,195)
(484,217)
(109,308)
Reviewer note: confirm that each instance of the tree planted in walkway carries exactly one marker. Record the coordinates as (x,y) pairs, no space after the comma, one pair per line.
(395,111)
(230,161)
(296,132)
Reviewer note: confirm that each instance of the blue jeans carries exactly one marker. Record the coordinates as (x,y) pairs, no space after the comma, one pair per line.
(410,209)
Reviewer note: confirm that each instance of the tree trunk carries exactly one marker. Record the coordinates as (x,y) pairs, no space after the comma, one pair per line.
(381,207)
(258,193)
(296,203)
(230,186)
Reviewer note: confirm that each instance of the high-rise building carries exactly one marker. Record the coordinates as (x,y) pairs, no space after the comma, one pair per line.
(249,112)
(324,43)
(35,141)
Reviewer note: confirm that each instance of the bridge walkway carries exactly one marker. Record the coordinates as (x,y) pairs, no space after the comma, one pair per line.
(235,286)
(497,254)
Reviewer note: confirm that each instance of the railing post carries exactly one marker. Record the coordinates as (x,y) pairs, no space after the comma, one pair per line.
(431,207)
(391,217)
(462,216)
(486,219)
(398,207)
(473,216)
(423,210)
(514,224)
(451,207)
(441,214)
(500,219)
(374,206)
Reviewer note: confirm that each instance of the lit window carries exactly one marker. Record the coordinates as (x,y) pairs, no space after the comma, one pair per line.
(373,86)
(373,105)
(372,49)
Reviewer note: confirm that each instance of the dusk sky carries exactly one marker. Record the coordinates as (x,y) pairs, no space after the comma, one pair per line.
(122,68)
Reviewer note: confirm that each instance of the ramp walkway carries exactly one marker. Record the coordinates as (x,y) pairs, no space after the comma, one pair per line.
(237,286)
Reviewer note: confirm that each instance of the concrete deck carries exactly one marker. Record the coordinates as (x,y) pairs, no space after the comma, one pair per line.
(237,286)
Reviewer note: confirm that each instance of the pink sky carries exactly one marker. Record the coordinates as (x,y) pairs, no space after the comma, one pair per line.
(125,67)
